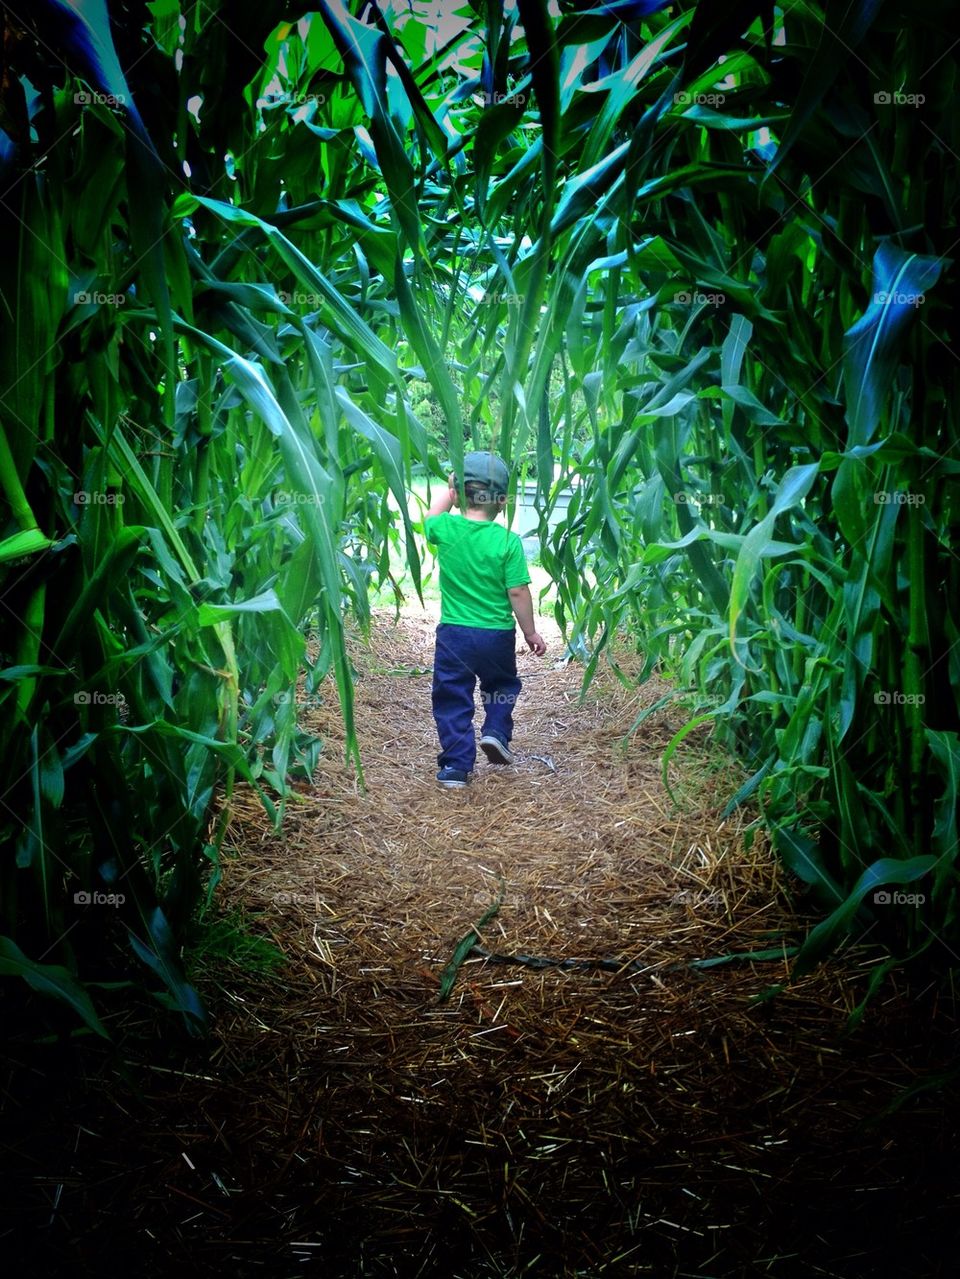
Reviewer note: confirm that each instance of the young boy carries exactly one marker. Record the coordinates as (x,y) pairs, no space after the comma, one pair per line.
(484,583)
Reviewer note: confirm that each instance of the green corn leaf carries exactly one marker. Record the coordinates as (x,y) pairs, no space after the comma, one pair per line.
(672,745)
(344,318)
(84,29)
(828,933)
(159,952)
(49,979)
(802,856)
(838,40)
(744,792)
(521,175)
(733,350)
(388,452)
(14,674)
(945,748)
(115,563)
(136,477)
(758,413)
(465,945)
(426,120)
(28,542)
(426,347)
(266,602)
(496,124)
(792,489)
(581,193)
(621,88)
(745,956)
(364,54)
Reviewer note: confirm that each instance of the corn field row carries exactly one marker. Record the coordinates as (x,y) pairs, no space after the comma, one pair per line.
(690,262)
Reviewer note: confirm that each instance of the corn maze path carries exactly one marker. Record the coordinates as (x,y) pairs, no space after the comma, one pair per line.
(662,1120)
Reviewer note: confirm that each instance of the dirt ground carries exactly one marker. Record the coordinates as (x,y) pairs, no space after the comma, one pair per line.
(589,1101)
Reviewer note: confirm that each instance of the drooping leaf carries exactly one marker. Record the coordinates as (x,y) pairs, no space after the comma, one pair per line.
(49,979)
(825,936)
(872,345)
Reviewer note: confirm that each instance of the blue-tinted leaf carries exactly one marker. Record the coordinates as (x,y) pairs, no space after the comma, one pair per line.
(872,345)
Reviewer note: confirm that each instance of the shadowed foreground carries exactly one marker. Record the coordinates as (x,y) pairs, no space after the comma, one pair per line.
(544,1120)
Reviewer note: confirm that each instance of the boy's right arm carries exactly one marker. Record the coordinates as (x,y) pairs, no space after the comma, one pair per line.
(521,602)
(444,500)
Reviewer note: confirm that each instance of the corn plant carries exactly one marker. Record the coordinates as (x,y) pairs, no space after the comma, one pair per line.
(199,432)
(767,475)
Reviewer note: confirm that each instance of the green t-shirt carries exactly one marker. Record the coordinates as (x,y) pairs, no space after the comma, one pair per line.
(480,561)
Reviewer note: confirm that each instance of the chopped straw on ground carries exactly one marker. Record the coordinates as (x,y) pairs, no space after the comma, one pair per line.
(662,1119)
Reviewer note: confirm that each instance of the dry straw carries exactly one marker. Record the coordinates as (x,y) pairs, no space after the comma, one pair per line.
(579,1115)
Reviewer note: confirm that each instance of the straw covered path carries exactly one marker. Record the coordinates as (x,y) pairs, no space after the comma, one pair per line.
(545,1119)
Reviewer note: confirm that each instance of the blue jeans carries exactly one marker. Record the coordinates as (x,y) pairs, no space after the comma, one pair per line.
(465,654)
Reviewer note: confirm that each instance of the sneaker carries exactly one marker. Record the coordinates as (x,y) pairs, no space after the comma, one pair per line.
(452,778)
(496,749)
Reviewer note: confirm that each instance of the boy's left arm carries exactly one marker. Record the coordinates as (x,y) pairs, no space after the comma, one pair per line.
(445,499)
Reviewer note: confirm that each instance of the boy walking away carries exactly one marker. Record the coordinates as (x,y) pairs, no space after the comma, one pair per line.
(484,585)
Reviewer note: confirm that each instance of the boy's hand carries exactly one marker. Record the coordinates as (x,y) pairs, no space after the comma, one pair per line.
(522,604)
(445,500)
